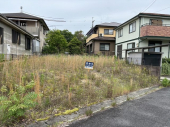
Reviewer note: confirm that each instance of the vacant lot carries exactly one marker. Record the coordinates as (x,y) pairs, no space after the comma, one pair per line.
(40,87)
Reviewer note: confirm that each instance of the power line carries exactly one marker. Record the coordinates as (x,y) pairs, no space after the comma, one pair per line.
(42,16)
(163,9)
(150,5)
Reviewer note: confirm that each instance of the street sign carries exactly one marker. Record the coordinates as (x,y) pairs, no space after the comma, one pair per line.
(89,65)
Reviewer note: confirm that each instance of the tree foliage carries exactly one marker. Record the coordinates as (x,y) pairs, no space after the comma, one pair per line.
(74,46)
(67,34)
(59,41)
(56,42)
(80,36)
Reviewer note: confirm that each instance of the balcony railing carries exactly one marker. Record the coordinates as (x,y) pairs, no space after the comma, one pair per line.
(33,30)
(151,24)
(159,30)
(91,37)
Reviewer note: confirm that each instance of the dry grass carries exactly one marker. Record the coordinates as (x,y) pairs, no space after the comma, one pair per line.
(62,82)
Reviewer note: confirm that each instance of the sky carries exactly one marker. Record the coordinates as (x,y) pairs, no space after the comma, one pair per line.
(77,14)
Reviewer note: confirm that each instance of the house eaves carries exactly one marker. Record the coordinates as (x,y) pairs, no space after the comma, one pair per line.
(152,15)
(14,25)
(26,16)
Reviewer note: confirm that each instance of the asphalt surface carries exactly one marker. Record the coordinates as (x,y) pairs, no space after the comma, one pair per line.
(153,110)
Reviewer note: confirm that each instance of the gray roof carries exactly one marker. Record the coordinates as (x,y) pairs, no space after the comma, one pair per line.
(25,16)
(20,15)
(17,26)
(143,14)
(109,24)
(104,38)
(112,24)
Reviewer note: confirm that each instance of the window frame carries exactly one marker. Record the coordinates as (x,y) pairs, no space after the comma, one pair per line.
(153,42)
(108,32)
(133,46)
(133,24)
(15,35)
(120,34)
(104,44)
(27,45)
(2,39)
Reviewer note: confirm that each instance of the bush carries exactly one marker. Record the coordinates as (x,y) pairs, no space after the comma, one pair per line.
(166,68)
(165,82)
(1,57)
(14,105)
(166,60)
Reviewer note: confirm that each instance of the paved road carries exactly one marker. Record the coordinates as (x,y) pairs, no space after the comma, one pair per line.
(152,110)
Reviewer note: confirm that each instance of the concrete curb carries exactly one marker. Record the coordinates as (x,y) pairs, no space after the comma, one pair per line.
(66,119)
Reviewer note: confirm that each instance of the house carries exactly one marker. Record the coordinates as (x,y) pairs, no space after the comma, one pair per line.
(34,25)
(101,39)
(14,39)
(143,30)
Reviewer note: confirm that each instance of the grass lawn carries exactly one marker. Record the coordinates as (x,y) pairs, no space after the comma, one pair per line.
(59,83)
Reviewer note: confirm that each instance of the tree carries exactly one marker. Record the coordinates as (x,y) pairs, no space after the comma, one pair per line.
(80,36)
(74,46)
(56,42)
(67,34)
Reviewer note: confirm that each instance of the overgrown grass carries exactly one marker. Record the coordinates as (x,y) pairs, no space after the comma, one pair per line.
(62,83)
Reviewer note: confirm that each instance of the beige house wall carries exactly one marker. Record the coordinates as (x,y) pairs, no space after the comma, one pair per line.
(15,48)
(97,47)
(101,31)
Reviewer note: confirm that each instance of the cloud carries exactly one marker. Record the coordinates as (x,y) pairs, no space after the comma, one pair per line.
(78,13)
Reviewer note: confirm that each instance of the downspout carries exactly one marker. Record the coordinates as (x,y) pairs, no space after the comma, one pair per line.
(139,32)
(168,49)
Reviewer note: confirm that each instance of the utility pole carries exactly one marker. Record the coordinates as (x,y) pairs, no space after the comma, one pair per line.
(92,22)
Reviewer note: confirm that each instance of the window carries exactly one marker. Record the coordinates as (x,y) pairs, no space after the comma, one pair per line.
(1,35)
(130,46)
(104,46)
(155,43)
(132,27)
(120,33)
(22,23)
(108,31)
(27,43)
(16,37)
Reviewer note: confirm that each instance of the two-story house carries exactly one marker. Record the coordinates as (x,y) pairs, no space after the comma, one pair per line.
(14,39)
(34,25)
(101,39)
(143,30)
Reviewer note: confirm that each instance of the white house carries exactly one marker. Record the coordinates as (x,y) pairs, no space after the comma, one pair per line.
(145,29)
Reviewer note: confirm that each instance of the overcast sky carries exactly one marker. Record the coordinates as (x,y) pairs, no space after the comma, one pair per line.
(78,13)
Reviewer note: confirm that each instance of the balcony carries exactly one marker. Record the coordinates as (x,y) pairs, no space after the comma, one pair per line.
(159,30)
(91,37)
(33,30)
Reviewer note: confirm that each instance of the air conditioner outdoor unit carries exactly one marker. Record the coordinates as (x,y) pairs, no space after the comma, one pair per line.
(101,35)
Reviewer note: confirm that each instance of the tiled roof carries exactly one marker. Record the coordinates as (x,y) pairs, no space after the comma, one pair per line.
(20,15)
(25,16)
(109,24)
(104,38)
(7,20)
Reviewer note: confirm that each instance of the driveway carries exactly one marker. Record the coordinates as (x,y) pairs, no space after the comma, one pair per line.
(152,110)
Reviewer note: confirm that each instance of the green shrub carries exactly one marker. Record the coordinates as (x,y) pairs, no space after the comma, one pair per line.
(14,105)
(166,60)
(165,82)
(166,68)
(1,57)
